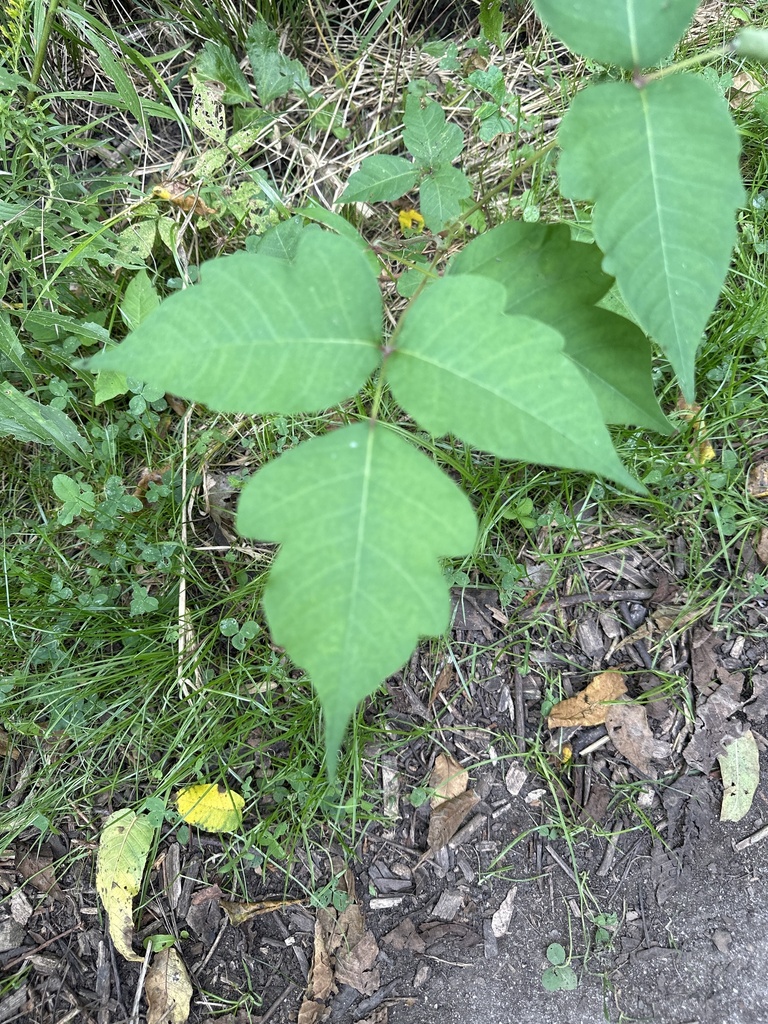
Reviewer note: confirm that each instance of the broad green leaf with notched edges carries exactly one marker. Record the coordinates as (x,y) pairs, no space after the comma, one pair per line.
(217,63)
(630,33)
(500,383)
(363,518)
(261,335)
(662,167)
(440,196)
(427,136)
(550,277)
(273,72)
(381,179)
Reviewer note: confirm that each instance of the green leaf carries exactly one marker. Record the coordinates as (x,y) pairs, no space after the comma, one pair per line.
(440,195)
(28,420)
(615,359)
(109,384)
(280,242)
(556,954)
(113,67)
(261,335)
(320,215)
(140,299)
(217,63)
(12,350)
(551,278)
(363,518)
(273,72)
(381,179)
(499,383)
(427,137)
(491,19)
(545,273)
(662,167)
(490,80)
(559,979)
(740,768)
(630,33)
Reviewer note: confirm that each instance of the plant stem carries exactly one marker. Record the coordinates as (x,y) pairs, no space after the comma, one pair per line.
(42,49)
(502,186)
(691,62)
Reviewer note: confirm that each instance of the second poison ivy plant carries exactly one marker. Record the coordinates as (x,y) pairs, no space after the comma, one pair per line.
(510,351)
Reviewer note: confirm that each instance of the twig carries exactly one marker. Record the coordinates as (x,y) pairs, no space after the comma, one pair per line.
(276,1005)
(596,597)
(561,863)
(134,1018)
(756,837)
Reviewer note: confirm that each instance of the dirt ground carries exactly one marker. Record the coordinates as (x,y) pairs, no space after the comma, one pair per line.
(444,916)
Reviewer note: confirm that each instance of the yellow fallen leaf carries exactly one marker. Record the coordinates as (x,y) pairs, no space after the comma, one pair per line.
(588,707)
(410,220)
(168,989)
(211,807)
(123,850)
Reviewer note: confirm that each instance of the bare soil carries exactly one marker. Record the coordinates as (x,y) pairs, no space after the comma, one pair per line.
(565,844)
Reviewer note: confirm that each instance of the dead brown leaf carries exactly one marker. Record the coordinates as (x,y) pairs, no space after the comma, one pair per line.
(355,965)
(239,913)
(761,548)
(405,936)
(448,818)
(168,989)
(627,725)
(442,683)
(713,726)
(448,779)
(36,866)
(757,479)
(743,89)
(589,706)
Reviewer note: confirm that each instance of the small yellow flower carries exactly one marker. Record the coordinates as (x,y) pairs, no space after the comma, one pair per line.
(410,220)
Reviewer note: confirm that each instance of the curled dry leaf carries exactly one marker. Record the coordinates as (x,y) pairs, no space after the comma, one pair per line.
(448,818)
(448,779)
(627,726)
(239,913)
(590,705)
(168,989)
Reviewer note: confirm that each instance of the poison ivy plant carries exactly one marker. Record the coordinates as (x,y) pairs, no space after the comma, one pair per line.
(510,351)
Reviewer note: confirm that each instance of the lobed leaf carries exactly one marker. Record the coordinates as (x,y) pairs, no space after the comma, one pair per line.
(217,63)
(427,136)
(441,193)
(662,167)
(381,179)
(551,278)
(273,73)
(500,383)
(363,518)
(262,335)
(630,33)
